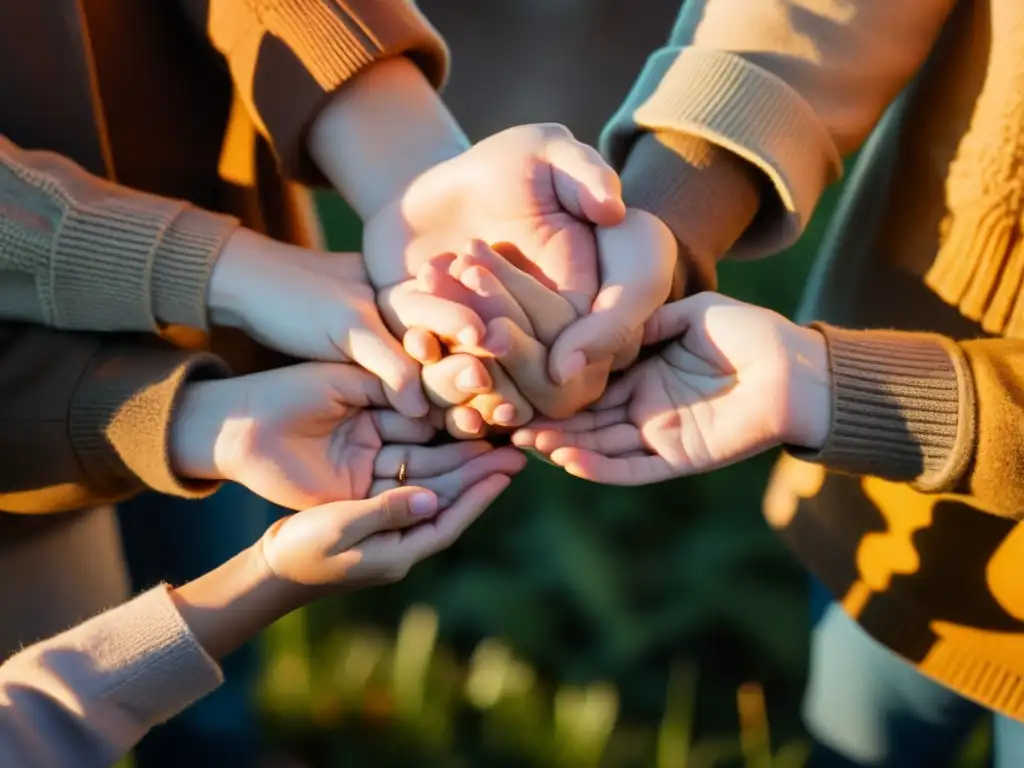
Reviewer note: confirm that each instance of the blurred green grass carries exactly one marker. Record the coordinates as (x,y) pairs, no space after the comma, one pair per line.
(573,625)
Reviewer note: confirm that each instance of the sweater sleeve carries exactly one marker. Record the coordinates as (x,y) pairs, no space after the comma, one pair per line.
(288,57)
(81,253)
(922,408)
(87,696)
(86,419)
(771,94)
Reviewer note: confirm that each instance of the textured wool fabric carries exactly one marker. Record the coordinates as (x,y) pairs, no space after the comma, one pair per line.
(87,696)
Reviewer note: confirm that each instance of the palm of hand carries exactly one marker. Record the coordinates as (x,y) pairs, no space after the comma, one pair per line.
(319,451)
(714,396)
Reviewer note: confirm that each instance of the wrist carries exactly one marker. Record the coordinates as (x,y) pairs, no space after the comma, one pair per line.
(381,131)
(229,605)
(808,408)
(196,427)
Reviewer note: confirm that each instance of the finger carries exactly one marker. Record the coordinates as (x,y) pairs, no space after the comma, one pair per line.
(493,299)
(422,346)
(351,384)
(442,532)
(374,348)
(525,360)
(395,428)
(592,466)
(456,380)
(389,510)
(464,423)
(504,406)
(672,320)
(637,277)
(609,441)
(450,485)
(426,461)
(584,421)
(585,184)
(548,313)
(435,279)
(404,306)
(628,354)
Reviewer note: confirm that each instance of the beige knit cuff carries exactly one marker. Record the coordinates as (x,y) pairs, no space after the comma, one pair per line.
(902,407)
(131,262)
(121,412)
(706,195)
(723,98)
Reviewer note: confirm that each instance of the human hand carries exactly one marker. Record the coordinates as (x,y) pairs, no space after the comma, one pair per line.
(341,545)
(311,305)
(315,433)
(738,380)
(524,317)
(534,189)
(368,543)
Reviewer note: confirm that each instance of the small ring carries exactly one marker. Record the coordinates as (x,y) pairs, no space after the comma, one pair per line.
(402,473)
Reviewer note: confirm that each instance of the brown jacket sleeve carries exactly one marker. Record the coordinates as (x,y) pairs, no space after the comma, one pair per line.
(922,408)
(734,129)
(84,419)
(81,253)
(288,57)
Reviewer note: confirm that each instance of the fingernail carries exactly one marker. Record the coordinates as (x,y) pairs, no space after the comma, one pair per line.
(423,504)
(505,413)
(471,380)
(572,367)
(468,337)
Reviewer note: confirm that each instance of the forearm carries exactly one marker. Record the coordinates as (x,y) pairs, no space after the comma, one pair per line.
(380,132)
(231,604)
(88,255)
(291,59)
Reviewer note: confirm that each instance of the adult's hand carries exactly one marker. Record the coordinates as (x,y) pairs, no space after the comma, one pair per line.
(737,380)
(319,432)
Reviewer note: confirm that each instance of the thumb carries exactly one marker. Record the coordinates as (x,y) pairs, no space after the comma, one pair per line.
(586,186)
(376,350)
(392,510)
(609,331)
(673,320)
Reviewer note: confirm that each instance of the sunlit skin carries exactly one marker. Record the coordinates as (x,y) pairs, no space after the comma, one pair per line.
(734,380)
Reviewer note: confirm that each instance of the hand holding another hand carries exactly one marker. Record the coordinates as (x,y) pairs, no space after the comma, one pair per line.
(737,380)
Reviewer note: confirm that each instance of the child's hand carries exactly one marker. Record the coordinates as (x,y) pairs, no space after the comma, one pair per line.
(343,545)
(738,380)
(319,432)
(368,543)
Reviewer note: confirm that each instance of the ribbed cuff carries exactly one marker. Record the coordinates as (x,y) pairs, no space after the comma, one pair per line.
(706,195)
(182,265)
(723,98)
(157,666)
(313,47)
(902,407)
(102,264)
(121,413)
